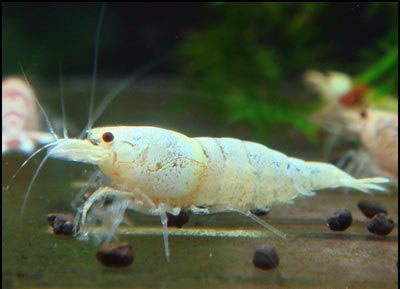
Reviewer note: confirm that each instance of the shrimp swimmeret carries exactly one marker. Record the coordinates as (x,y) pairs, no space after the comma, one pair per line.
(155,171)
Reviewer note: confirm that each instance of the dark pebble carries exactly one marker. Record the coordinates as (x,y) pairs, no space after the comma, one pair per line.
(266,258)
(178,221)
(370,208)
(66,228)
(115,255)
(340,220)
(380,225)
(61,223)
(260,212)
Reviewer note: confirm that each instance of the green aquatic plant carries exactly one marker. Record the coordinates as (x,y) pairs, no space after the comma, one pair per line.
(248,54)
(378,65)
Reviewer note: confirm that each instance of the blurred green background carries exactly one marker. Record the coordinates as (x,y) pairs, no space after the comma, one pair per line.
(247,60)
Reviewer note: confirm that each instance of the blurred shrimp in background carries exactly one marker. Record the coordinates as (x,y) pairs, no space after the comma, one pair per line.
(378,131)
(332,87)
(20,117)
(349,113)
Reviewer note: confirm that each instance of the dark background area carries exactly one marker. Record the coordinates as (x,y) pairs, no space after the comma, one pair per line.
(40,35)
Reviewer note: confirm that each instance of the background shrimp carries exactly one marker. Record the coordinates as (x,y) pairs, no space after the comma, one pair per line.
(20,117)
(378,134)
(350,113)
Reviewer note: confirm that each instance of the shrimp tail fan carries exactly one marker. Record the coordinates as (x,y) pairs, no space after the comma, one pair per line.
(367,185)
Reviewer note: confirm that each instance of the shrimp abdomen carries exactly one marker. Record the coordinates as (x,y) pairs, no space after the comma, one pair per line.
(247,175)
(243,174)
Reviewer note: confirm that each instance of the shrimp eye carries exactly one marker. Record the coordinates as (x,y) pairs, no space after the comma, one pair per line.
(108,137)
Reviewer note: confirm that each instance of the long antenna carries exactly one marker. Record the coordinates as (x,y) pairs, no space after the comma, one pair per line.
(33,180)
(96,53)
(28,159)
(122,86)
(50,127)
(65,132)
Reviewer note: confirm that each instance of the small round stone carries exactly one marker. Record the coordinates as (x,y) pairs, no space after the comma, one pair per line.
(51,218)
(115,255)
(266,258)
(371,208)
(380,225)
(65,228)
(340,220)
(178,221)
(61,223)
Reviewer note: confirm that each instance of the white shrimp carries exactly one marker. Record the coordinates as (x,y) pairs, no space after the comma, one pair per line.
(155,171)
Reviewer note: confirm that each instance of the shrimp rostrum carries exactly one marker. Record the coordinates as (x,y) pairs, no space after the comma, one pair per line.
(155,171)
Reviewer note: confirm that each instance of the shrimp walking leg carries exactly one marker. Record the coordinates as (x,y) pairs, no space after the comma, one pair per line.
(135,198)
(331,143)
(92,181)
(362,165)
(220,209)
(344,160)
(164,222)
(209,210)
(199,211)
(262,223)
(114,217)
